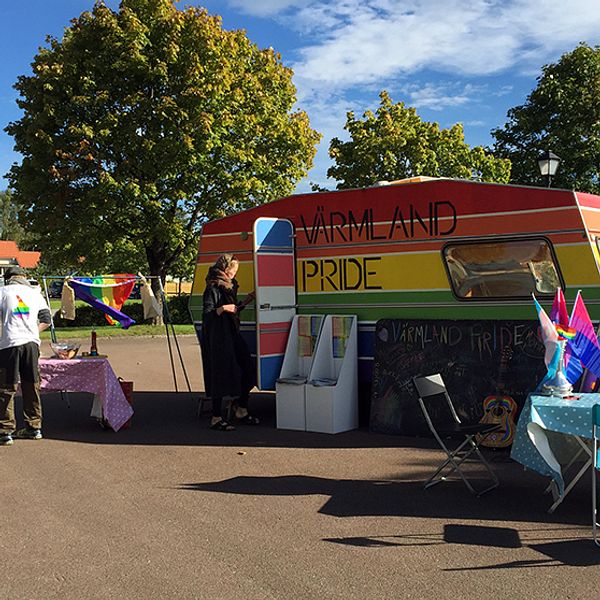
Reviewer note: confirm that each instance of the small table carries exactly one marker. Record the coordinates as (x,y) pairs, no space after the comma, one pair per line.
(93,375)
(537,446)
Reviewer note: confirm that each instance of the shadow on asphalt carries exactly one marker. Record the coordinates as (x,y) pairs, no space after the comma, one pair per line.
(165,419)
(578,552)
(379,498)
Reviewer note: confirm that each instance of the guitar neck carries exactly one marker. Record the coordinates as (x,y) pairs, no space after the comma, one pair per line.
(249,298)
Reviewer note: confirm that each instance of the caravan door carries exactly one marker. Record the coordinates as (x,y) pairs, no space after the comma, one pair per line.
(275,285)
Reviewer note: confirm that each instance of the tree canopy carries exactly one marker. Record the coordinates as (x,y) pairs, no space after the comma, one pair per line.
(9,224)
(395,143)
(562,114)
(141,124)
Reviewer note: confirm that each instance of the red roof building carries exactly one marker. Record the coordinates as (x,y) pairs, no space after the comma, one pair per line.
(10,256)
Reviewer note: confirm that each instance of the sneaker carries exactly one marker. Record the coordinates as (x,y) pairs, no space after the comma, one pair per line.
(6,440)
(28,434)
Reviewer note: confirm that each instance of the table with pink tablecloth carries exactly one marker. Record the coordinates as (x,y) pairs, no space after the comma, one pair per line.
(93,375)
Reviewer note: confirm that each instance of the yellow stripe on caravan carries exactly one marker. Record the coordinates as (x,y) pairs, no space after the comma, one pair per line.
(406,271)
(577,264)
(245,277)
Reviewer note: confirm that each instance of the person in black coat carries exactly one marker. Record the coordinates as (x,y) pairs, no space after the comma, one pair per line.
(228,366)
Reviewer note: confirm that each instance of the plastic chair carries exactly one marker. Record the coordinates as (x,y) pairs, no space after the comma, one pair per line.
(596,467)
(432,389)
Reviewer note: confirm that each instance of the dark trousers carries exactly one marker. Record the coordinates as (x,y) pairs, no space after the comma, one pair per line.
(20,363)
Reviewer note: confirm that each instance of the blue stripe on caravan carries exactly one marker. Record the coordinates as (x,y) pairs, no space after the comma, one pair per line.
(274,236)
(270,368)
(366,343)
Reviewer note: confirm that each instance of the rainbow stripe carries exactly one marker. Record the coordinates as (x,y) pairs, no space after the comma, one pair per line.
(21,310)
(565,333)
(107,293)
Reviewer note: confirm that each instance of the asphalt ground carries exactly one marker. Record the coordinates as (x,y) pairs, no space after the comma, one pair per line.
(170,509)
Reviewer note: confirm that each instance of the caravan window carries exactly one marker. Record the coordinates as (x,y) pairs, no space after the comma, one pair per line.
(507,268)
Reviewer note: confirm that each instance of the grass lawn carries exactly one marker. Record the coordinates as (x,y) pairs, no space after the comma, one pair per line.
(75,333)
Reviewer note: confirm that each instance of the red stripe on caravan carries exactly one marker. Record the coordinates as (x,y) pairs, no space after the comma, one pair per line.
(275,326)
(273,343)
(275,270)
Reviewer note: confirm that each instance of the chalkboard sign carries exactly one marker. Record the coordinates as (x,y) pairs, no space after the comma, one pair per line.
(476,359)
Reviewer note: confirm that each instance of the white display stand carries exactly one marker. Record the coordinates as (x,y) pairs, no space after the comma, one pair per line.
(291,385)
(332,388)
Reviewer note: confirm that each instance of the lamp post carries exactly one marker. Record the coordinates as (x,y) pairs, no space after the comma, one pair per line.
(548,163)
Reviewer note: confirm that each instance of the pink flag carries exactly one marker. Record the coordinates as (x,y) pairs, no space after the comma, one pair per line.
(559,314)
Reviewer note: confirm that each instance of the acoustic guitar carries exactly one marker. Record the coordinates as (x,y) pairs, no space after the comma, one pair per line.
(500,409)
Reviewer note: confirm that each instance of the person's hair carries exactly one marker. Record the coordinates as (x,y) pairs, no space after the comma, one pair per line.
(225,261)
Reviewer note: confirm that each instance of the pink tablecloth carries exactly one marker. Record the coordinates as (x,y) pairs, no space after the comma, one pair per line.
(94,375)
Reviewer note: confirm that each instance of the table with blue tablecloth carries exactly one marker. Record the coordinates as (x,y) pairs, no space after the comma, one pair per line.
(552,434)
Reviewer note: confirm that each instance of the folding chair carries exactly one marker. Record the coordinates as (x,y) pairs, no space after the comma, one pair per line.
(432,389)
(595,468)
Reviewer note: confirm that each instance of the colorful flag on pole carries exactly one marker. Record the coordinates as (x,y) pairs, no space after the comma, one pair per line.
(106,293)
(550,340)
(559,314)
(560,317)
(585,343)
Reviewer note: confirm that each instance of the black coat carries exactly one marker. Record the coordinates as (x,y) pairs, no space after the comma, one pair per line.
(228,366)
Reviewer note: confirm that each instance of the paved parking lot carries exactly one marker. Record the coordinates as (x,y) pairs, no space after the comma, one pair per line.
(171,509)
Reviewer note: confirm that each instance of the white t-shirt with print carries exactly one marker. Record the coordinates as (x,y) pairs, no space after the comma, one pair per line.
(19,308)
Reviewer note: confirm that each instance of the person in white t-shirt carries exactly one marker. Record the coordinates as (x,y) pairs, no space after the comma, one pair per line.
(24,313)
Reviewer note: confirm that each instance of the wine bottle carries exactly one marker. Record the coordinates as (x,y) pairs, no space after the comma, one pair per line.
(94,346)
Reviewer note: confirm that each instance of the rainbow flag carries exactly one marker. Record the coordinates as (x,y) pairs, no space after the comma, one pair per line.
(21,310)
(560,317)
(565,333)
(106,293)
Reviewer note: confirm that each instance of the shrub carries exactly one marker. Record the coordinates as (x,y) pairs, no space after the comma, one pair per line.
(87,316)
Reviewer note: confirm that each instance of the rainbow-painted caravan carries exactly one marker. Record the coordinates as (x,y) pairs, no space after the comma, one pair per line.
(413,249)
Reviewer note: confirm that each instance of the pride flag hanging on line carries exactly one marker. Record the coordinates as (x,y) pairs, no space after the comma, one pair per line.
(106,293)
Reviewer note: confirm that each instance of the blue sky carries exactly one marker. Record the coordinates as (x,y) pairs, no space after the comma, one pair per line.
(465,61)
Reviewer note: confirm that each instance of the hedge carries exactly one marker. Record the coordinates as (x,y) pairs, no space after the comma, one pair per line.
(87,316)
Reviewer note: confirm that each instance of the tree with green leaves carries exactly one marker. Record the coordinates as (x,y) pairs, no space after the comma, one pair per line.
(9,223)
(395,143)
(140,124)
(562,114)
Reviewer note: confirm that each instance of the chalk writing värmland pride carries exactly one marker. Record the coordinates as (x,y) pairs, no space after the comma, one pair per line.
(408,222)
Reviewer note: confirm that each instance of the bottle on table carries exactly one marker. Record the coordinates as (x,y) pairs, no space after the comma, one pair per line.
(94,346)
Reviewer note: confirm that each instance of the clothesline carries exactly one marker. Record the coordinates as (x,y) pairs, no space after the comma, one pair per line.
(127,277)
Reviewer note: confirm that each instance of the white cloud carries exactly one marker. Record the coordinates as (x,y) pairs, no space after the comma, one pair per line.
(440,95)
(365,41)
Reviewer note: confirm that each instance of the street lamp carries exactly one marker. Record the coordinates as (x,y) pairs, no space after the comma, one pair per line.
(548,163)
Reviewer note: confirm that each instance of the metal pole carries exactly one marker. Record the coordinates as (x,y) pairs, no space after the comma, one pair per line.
(52,330)
(167,317)
(164,311)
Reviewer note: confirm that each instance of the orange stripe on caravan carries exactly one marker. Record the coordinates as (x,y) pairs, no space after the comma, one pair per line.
(209,259)
(591,218)
(537,222)
(435,245)
(226,243)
